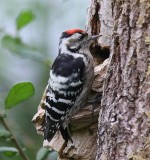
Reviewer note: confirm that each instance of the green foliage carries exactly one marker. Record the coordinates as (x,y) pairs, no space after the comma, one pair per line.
(8,151)
(17,47)
(11,43)
(21,91)
(24,18)
(4,133)
(18,93)
(42,154)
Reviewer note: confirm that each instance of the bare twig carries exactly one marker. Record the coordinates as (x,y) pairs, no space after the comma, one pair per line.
(22,154)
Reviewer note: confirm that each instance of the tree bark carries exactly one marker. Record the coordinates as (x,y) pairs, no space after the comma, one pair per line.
(124,121)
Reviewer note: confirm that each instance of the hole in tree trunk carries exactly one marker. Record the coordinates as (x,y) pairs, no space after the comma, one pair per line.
(99,53)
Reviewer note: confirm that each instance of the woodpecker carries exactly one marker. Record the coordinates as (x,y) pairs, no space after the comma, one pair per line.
(71,77)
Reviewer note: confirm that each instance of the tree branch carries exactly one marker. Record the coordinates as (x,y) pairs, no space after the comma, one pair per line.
(22,154)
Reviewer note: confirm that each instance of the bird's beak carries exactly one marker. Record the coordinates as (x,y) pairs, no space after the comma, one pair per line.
(92,38)
(88,41)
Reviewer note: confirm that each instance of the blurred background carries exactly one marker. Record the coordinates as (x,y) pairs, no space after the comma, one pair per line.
(30,57)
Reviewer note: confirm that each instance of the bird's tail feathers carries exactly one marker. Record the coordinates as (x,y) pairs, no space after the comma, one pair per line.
(65,134)
(50,129)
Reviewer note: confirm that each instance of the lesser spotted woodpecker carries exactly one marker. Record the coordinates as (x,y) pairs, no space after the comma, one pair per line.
(70,81)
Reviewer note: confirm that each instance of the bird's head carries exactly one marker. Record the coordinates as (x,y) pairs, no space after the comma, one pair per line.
(75,39)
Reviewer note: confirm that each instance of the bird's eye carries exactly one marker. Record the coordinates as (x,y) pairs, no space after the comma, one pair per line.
(82,36)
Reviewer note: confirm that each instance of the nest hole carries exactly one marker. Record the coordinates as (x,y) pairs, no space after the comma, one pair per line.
(99,53)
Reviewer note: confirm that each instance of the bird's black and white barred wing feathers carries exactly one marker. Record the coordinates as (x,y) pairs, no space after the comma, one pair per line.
(65,85)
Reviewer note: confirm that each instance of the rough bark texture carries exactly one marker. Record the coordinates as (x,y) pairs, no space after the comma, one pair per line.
(124,122)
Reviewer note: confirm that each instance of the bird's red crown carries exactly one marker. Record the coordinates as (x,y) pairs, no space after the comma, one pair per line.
(72,31)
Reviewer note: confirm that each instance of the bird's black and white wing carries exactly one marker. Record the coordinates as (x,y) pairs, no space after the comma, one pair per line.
(65,85)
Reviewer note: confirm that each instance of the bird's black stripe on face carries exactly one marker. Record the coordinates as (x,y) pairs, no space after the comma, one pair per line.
(81,37)
(65,35)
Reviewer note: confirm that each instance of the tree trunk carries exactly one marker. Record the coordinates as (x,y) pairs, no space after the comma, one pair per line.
(124,121)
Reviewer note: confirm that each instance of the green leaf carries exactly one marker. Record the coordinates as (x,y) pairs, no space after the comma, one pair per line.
(24,18)
(42,154)
(16,46)
(11,43)
(4,133)
(18,93)
(8,151)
